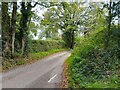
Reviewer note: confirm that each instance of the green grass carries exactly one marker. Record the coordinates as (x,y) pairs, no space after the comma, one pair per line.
(39,55)
(32,57)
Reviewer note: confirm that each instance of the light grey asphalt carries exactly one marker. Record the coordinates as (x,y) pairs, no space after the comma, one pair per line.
(45,73)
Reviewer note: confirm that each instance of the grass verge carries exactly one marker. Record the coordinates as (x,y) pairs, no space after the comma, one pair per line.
(32,57)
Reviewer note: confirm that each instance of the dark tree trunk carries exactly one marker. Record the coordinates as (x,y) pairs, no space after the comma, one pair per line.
(108,32)
(26,13)
(72,39)
(6,51)
(118,15)
(13,25)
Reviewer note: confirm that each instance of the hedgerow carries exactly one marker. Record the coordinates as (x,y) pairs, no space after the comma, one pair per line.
(37,50)
(45,45)
(91,66)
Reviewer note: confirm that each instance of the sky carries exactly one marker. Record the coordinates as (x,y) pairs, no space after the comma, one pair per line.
(39,11)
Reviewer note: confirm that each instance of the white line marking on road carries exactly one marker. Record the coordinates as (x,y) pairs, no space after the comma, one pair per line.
(52,77)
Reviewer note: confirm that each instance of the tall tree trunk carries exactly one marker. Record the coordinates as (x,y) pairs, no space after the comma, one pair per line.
(118,26)
(13,25)
(6,52)
(108,32)
(24,25)
(73,39)
(118,9)
(23,46)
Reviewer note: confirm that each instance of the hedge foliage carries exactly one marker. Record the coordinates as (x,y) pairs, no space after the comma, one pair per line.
(37,50)
(90,66)
(46,45)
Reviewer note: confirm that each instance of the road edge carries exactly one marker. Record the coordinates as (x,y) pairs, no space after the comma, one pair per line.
(64,78)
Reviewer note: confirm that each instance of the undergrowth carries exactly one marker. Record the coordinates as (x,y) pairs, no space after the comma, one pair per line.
(92,66)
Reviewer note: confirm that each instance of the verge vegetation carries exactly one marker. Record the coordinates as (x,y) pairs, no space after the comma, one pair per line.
(90,66)
(38,49)
(32,57)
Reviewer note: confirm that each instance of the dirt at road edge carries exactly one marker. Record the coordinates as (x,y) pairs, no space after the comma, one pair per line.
(64,81)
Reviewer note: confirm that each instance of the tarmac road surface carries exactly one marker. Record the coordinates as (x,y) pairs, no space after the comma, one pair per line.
(45,73)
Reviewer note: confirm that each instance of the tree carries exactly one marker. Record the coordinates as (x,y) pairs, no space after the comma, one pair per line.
(64,17)
(25,20)
(13,25)
(6,52)
(26,16)
(113,11)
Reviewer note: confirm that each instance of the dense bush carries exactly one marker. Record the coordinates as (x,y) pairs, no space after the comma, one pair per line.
(45,45)
(92,66)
